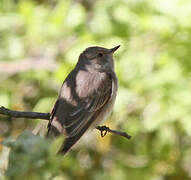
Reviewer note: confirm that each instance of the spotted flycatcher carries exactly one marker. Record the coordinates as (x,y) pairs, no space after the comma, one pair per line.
(86,97)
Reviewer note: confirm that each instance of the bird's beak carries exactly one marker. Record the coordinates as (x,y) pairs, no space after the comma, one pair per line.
(112,50)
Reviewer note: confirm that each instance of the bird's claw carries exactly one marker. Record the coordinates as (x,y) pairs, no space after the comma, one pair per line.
(103,130)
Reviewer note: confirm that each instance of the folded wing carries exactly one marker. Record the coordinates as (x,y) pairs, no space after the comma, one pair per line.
(79,104)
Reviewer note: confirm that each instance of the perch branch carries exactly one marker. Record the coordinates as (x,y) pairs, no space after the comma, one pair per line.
(46,116)
(105,129)
(24,114)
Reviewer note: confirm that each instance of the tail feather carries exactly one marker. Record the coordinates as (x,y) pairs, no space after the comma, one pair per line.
(70,141)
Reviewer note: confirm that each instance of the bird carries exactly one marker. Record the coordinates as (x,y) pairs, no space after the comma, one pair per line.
(86,97)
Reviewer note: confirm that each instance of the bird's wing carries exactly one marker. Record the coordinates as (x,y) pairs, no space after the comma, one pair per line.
(78,107)
(92,100)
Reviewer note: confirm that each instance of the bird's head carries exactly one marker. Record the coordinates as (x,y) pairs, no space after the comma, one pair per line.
(98,57)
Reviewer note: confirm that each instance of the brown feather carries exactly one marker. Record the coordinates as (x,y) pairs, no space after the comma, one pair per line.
(86,97)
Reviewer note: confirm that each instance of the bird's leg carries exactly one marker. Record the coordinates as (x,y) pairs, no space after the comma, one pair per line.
(103,130)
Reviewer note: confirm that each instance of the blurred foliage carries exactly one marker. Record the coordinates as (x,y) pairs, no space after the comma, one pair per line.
(154,98)
(31,157)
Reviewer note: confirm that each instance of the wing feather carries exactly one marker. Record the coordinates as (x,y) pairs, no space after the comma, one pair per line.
(80,101)
(89,105)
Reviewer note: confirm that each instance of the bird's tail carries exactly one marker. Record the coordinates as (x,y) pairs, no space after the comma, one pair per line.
(70,141)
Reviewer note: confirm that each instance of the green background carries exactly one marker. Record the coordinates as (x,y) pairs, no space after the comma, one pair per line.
(40,41)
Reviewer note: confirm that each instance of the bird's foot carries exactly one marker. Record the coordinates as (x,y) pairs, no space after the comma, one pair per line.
(103,130)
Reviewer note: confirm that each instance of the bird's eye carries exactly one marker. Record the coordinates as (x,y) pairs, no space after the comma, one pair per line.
(100,55)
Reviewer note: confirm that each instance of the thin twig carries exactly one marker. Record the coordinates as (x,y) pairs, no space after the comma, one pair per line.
(105,129)
(46,116)
(24,114)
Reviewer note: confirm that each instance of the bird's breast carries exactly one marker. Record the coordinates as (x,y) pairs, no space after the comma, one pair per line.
(106,110)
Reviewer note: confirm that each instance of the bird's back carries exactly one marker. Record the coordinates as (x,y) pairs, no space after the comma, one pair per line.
(86,97)
(79,105)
